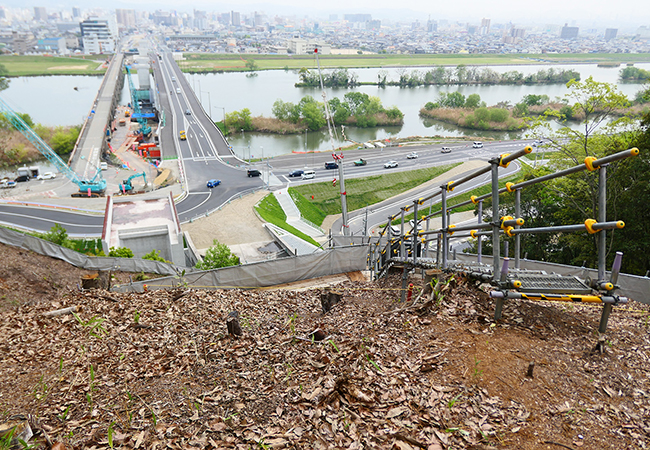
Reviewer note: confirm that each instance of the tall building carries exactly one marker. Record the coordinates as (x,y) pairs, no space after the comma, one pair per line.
(373,24)
(299,46)
(432,26)
(357,17)
(200,20)
(517,32)
(76,12)
(258,19)
(40,14)
(98,35)
(485,26)
(22,42)
(125,17)
(235,19)
(568,32)
(610,33)
(223,18)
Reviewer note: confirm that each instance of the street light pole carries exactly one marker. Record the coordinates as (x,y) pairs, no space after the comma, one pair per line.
(224,115)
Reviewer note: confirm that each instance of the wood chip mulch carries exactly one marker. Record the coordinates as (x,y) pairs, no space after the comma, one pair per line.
(159,370)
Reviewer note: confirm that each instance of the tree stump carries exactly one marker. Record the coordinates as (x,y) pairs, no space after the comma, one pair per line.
(328,299)
(105,279)
(90,281)
(232,323)
(428,281)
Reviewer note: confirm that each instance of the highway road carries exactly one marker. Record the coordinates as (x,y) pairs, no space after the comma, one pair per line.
(378,214)
(206,155)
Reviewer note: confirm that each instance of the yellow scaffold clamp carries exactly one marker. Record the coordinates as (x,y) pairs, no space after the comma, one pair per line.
(589,163)
(589,223)
(501,157)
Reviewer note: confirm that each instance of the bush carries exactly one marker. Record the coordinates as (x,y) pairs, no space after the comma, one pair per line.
(58,235)
(431,105)
(394,113)
(520,110)
(120,252)
(567,112)
(217,256)
(473,101)
(154,255)
(498,115)
(482,114)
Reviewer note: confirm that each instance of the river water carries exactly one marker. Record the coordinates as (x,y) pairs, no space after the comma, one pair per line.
(55,101)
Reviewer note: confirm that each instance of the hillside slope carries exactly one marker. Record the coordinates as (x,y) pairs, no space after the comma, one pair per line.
(158,369)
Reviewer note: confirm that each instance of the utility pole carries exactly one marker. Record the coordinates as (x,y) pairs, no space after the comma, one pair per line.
(337,158)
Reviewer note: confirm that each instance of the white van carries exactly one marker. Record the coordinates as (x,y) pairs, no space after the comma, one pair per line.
(178,90)
(103,165)
(308,175)
(477,145)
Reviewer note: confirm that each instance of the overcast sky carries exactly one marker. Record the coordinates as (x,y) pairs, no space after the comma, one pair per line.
(583,13)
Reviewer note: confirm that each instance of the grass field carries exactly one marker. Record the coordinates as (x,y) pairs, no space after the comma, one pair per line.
(20,66)
(270,210)
(460,199)
(360,191)
(220,62)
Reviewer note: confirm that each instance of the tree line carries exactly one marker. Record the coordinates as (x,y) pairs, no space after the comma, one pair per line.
(634,74)
(438,75)
(356,108)
(574,198)
(15,151)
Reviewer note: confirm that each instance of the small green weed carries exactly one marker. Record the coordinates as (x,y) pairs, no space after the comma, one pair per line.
(110,434)
(453,401)
(95,325)
(64,414)
(477,372)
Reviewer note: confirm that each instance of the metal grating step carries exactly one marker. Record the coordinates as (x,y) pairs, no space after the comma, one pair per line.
(552,284)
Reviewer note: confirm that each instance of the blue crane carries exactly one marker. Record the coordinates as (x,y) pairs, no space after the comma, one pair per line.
(135,101)
(97,184)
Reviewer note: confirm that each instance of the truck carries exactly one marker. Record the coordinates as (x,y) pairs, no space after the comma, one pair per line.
(360,162)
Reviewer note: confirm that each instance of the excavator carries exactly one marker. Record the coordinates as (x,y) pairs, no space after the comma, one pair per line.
(126,185)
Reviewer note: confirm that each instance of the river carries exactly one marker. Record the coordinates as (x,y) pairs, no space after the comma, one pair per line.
(55,101)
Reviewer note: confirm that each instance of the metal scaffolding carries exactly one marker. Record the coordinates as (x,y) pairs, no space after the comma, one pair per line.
(409,249)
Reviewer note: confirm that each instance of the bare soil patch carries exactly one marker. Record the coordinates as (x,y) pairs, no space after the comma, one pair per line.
(159,370)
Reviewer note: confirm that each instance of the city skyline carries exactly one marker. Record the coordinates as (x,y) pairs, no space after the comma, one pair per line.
(625,13)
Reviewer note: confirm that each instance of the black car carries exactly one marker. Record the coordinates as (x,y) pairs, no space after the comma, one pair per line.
(331,165)
(296,173)
(22,178)
(254,173)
